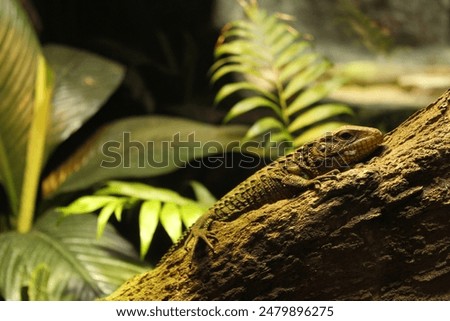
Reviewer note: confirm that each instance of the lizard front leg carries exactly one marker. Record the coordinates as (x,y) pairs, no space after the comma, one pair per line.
(199,231)
(295,180)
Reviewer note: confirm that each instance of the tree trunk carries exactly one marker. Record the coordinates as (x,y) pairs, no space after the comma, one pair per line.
(379,231)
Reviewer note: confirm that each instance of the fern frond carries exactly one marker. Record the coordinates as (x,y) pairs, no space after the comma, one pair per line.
(277,68)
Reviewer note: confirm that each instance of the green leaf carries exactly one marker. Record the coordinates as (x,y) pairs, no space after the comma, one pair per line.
(87,204)
(315,132)
(142,147)
(263,126)
(232,60)
(279,137)
(295,66)
(284,42)
(35,146)
(249,104)
(202,195)
(148,221)
(190,213)
(19,55)
(237,68)
(81,267)
(238,29)
(241,48)
(305,78)
(229,89)
(242,33)
(290,53)
(83,80)
(313,94)
(38,286)
(143,192)
(317,114)
(276,32)
(103,217)
(170,217)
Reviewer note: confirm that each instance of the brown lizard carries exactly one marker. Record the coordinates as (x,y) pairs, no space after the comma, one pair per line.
(287,177)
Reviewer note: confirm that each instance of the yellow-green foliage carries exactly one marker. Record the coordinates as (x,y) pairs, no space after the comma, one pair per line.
(277,69)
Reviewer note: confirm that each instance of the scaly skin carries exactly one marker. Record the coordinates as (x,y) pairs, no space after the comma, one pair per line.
(287,177)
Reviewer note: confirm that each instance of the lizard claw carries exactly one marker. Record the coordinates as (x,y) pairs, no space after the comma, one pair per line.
(196,235)
(199,234)
(206,238)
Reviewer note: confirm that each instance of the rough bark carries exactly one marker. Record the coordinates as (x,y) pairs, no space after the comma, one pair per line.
(379,231)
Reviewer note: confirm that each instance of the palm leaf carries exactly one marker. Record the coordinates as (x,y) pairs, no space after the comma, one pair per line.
(159,205)
(81,267)
(170,217)
(148,221)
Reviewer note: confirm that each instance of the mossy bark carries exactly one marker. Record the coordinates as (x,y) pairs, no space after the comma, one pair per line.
(379,231)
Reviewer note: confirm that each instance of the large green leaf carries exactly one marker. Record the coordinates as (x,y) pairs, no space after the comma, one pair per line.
(143,147)
(79,267)
(19,54)
(84,82)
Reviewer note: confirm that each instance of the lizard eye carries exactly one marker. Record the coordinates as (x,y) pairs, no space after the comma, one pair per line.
(345,135)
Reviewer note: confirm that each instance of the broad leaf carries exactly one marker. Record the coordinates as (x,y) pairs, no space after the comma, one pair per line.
(142,147)
(80,266)
(19,54)
(38,286)
(35,146)
(84,81)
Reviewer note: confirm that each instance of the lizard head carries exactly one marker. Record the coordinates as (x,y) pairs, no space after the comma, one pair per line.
(341,148)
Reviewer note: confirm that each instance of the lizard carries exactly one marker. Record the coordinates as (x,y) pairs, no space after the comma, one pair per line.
(284,178)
